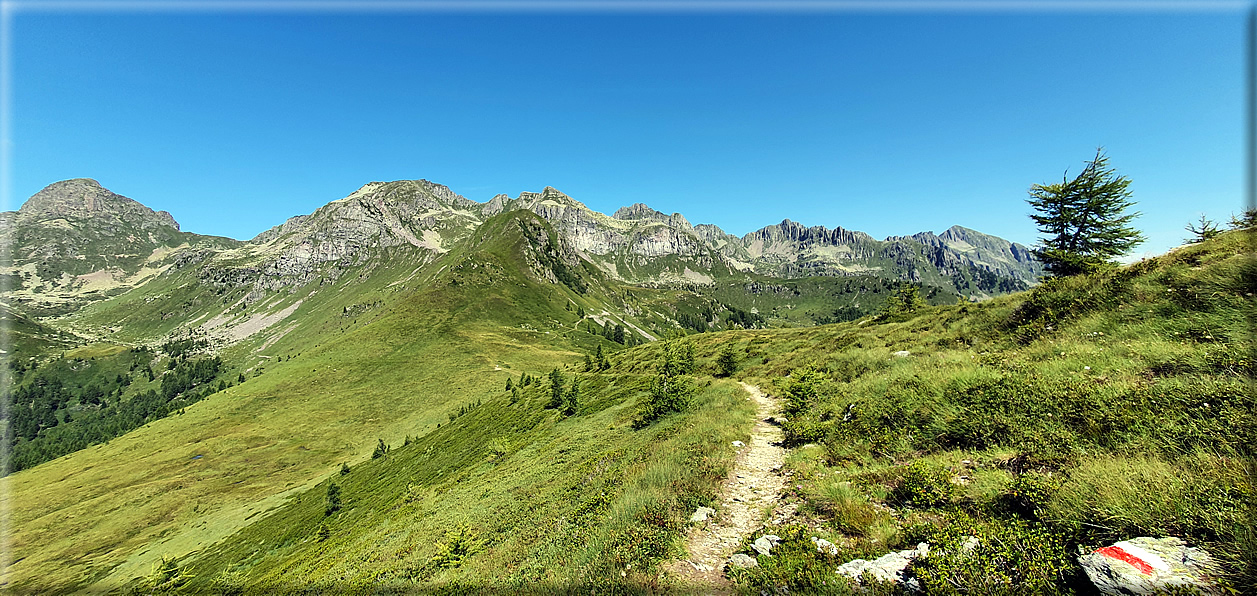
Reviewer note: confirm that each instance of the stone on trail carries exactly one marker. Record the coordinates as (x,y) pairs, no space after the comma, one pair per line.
(1147,565)
(701,514)
(742,561)
(739,444)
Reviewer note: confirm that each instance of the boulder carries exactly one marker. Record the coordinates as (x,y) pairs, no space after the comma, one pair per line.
(764,544)
(901,354)
(701,514)
(825,546)
(742,561)
(890,567)
(1145,565)
(739,444)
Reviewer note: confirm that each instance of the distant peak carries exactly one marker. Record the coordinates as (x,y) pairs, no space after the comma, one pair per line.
(86,199)
(638,211)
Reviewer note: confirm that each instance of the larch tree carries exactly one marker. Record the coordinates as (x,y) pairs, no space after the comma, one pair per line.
(1084,221)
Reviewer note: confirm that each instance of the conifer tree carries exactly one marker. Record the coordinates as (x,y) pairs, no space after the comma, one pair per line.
(1202,231)
(1084,220)
(906,300)
(618,337)
(727,361)
(380,450)
(332,504)
(571,399)
(509,384)
(556,389)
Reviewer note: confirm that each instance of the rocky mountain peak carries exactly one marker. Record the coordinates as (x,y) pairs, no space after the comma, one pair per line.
(85,200)
(639,211)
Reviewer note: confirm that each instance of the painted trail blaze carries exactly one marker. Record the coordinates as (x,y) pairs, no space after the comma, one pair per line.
(1117,552)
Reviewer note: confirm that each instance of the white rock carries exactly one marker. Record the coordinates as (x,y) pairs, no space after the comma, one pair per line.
(825,546)
(739,444)
(1145,565)
(742,561)
(701,514)
(764,544)
(901,354)
(889,567)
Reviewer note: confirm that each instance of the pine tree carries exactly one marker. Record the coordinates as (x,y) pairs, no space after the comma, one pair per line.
(344,468)
(380,450)
(571,399)
(1083,220)
(556,389)
(670,390)
(727,361)
(618,337)
(906,300)
(1204,230)
(332,503)
(589,363)
(509,384)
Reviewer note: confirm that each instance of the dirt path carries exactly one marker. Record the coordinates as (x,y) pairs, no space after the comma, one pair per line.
(748,493)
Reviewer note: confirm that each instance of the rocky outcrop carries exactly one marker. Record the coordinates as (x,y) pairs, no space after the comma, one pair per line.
(1144,565)
(74,240)
(83,202)
(891,567)
(636,244)
(960,247)
(415,215)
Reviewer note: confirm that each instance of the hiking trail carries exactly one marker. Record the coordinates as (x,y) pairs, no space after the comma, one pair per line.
(748,494)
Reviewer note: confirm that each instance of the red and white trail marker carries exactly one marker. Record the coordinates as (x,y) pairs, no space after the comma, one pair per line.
(1138,558)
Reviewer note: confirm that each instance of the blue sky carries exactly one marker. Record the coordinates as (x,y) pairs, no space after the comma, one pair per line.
(888,122)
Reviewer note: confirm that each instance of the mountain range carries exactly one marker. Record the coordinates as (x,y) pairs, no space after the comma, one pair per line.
(76,241)
(407,391)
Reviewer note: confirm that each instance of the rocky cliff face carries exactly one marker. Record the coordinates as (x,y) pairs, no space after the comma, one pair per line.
(76,237)
(415,216)
(422,220)
(83,203)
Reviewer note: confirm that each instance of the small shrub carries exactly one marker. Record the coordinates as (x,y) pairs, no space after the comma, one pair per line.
(1030,493)
(925,485)
(1010,557)
(459,544)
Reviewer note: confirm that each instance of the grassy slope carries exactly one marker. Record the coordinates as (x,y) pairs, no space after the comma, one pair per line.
(508,496)
(1086,411)
(105,514)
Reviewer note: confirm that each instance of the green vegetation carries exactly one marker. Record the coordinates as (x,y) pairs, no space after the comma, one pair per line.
(551,502)
(671,388)
(1084,219)
(1091,409)
(72,403)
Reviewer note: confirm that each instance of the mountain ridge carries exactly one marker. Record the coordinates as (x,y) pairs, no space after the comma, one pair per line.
(636,244)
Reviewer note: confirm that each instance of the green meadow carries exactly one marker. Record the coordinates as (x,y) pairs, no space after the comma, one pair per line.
(376,446)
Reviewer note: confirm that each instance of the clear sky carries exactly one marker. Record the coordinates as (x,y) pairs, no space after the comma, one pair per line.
(890,122)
